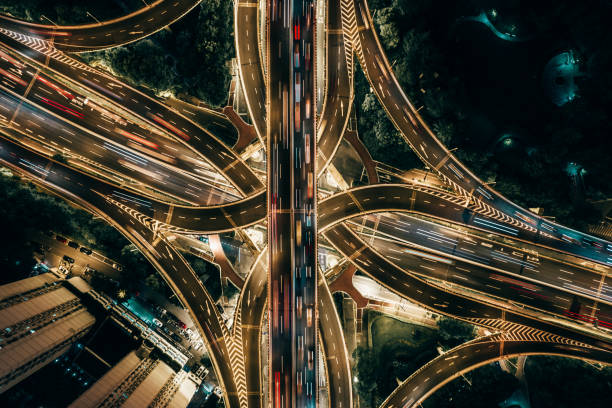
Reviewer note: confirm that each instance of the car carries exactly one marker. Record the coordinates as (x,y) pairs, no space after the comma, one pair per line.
(61,239)
(157,322)
(176,337)
(90,271)
(117,267)
(86,251)
(73,244)
(68,259)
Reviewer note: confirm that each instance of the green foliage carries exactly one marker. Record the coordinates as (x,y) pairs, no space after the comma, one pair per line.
(188,58)
(144,63)
(153,282)
(453,332)
(553,382)
(26,211)
(366,371)
(556,382)
(380,137)
(389,33)
(135,269)
(208,273)
(398,349)
(490,386)
(68,12)
(474,87)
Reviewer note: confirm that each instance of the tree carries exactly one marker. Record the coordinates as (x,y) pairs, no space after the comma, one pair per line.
(489,386)
(389,33)
(453,332)
(152,281)
(366,371)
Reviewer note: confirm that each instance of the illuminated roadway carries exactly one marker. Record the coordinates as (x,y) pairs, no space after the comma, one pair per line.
(157,115)
(488,313)
(55,118)
(469,356)
(363,197)
(367,199)
(82,194)
(338,90)
(250,210)
(162,255)
(435,155)
(292,190)
(97,36)
(246,13)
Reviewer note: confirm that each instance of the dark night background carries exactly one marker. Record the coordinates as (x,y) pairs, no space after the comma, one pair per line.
(482,71)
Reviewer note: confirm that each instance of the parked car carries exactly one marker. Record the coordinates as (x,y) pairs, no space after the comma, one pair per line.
(61,239)
(86,251)
(68,259)
(157,322)
(73,244)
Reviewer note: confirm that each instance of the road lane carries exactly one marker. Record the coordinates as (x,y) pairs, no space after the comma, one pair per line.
(107,34)
(469,356)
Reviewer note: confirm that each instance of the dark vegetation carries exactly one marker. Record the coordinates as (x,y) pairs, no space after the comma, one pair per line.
(187,58)
(208,273)
(398,349)
(26,211)
(553,382)
(68,12)
(476,88)
(563,382)
(490,386)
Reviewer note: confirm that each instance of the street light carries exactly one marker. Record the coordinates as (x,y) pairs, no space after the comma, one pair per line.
(48,19)
(92,16)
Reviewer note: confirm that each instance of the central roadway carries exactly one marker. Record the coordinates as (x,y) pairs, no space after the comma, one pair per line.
(291,204)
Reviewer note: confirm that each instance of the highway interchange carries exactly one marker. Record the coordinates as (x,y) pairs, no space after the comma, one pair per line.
(154,169)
